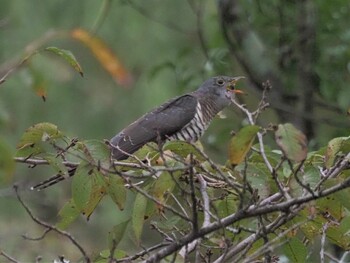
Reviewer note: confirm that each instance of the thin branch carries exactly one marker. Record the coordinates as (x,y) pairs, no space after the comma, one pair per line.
(10,67)
(51,227)
(152,198)
(323,241)
(8,257)
(252,211)
(102,15)
(47,230)
(142,253)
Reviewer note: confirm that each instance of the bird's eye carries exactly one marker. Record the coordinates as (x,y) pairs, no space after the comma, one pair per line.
(220,82)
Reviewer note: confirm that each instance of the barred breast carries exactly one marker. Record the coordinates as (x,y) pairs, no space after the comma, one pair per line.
(195,128)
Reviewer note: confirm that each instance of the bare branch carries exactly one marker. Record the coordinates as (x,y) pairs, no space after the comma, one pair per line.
(9,258)
(51,227)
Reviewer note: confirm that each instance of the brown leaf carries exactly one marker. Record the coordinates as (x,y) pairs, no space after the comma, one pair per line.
(292,142)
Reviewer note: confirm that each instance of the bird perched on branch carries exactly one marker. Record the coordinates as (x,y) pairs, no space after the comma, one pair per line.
(182,118)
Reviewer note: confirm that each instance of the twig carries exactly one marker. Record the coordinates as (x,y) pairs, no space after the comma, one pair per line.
(9,258)
(340,165)
(102,15)
(252,211)
(30,50)
(323,241)
(342,259)
(51,227)
(206,209)
(150,197)
(193,198)
(47,230)
(259,134)
(142,253)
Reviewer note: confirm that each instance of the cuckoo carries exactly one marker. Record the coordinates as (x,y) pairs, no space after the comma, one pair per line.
(182,118)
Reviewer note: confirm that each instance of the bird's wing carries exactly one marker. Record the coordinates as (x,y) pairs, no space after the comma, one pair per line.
(163,121)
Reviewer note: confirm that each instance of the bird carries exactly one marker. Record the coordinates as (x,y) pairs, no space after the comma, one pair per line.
(183,118)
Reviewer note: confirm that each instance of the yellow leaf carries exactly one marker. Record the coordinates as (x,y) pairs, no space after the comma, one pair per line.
(240,143)
(104,55)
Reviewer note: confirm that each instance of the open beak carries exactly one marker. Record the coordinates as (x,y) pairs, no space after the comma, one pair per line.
(232,85)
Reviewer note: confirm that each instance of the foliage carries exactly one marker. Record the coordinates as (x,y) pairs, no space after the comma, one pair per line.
(264,203)
(193,203)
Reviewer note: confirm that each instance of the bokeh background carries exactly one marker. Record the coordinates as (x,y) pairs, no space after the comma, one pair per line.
(164,48)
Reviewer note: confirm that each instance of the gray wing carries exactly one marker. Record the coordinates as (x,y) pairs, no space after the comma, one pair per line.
(160,123)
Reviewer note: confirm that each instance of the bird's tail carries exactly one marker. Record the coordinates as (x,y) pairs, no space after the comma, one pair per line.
(53,180)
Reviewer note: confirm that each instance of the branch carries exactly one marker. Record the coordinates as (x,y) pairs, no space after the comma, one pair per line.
(53,228)
(9,258)
(250,212)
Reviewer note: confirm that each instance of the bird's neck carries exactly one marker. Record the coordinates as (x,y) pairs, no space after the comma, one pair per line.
(209,107)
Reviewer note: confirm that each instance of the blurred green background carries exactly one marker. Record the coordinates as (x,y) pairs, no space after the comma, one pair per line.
(168,48)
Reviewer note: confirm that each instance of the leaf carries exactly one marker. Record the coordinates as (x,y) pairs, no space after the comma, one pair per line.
(7,164)
(104,55)
(82,186)
(138,215)
(68,214)
(169,224)
(68,56)
(39,84)
(32,140)
(149,150)
(240,143)
(337,236)
(292,142)
(164,183)
(97,193)
(260,178)
(295,250)
(183,149)
(226,206)
(116,235)
(116,190)
(56,163)
(118,254)
(96,152)
(335,147)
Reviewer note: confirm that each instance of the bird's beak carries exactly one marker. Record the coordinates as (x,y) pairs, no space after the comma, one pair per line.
(232,85)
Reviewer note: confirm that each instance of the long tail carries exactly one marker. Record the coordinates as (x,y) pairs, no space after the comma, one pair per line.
(53,180)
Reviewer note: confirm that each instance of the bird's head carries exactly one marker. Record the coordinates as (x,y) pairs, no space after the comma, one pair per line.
(221,89)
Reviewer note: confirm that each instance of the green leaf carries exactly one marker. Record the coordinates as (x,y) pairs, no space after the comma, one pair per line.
(56,163)
(116,235)
(7,164)
(97,193)
(226,206)
(183,149)
(336,147)
(116,190)
(240,143)
(292,142)
(138,215)
(168,224)
(68,56)
(150,150)
(164,183)
(68,214)
(32,141)
(82,186)
(39,84)
(295,250)
(118,254)
(96,152)
(260,178)
(337,236)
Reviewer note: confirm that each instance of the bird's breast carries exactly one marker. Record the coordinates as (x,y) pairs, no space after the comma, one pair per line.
(193,130)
